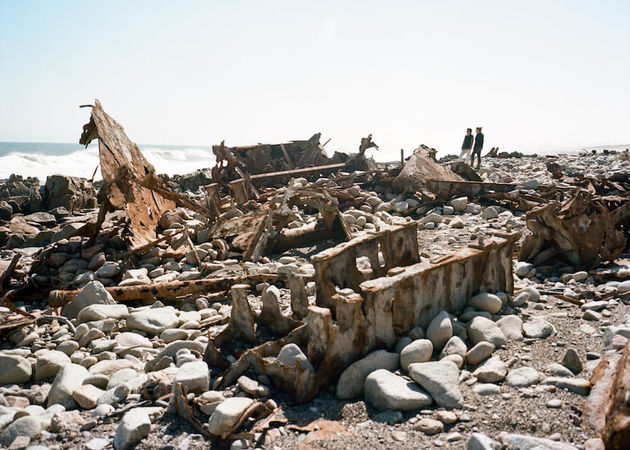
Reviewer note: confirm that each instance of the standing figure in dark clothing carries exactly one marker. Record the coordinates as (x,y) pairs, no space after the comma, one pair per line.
(477,149)
(467,145)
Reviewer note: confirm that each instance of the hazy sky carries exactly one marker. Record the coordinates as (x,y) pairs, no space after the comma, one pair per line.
(535,74)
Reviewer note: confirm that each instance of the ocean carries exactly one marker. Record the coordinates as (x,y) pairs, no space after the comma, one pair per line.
(40,159)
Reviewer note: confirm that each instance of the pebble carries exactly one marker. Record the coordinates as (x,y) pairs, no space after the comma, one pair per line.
(429,426)
(486,389)
(571,360)
(554,403)
(522,377)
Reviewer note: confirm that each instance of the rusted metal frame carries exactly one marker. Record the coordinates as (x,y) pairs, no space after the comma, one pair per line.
(293,172)
(170,289)
(337,266)
(446,189)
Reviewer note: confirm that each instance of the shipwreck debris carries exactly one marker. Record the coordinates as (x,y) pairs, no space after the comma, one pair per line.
(580,231)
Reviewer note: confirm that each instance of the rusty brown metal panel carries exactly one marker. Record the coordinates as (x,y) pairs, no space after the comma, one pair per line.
(122,163)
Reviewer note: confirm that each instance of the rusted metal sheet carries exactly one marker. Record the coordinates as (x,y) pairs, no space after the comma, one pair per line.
(336,267)
(580,232)
(606,410)
(449,189)
(121,164)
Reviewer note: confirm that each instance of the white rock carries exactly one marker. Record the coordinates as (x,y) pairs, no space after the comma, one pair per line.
(459,204)
(351,381)
(29,426)
(454,346)
(49,363)
(100,312)
(194,375)
(385,390)
(522,377)
(441,380)
(87,395)
(481,329)
(128,339)
(440,330)
(69,378)
(479,352)
(491,371)
(538,328)
(134,426)
(512,327)
(92,293)
(15,369)
(290,354)
(419,350)
(227,414)
(153,320)
(522,268)
(486,302)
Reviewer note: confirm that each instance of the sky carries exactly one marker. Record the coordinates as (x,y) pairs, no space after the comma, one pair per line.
(537,75)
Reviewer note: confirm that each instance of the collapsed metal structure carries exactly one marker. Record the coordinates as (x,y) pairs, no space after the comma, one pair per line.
(359,311)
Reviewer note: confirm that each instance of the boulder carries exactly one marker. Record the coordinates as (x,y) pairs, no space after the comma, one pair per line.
(418,351)
(69,378)
(72,193)
(486,302)
(153,320)
(385,390)
(92,293)
(351,381)
(134,426)
(440,330)
(441,380)
(15,370)
(481,329)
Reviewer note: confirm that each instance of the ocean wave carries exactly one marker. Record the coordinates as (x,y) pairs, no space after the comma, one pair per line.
(83,162)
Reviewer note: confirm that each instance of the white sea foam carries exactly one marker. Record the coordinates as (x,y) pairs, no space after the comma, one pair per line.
(82,163)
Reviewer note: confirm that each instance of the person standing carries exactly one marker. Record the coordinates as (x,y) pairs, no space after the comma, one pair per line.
(467,145)
(477,148)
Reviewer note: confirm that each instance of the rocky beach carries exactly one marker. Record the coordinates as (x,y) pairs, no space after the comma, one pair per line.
(106,343)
